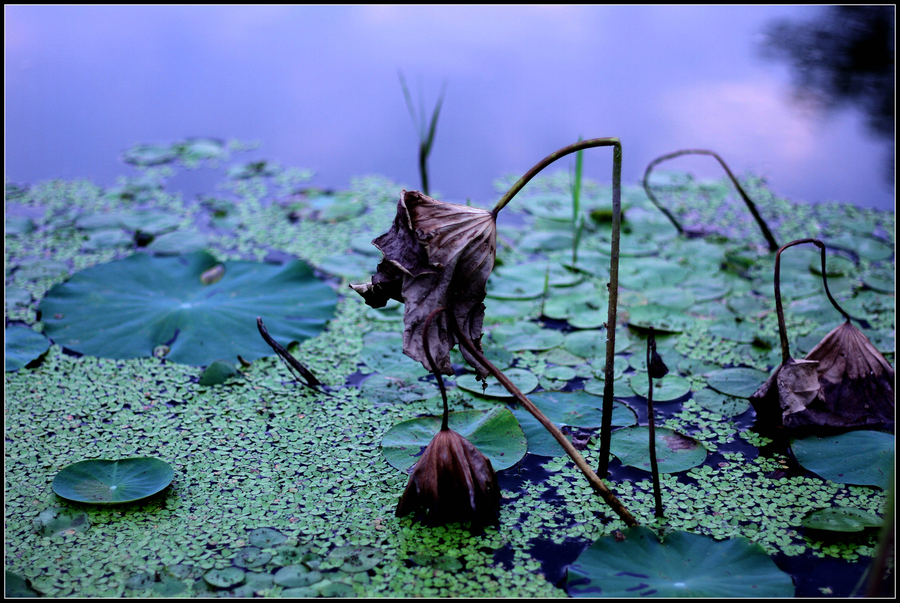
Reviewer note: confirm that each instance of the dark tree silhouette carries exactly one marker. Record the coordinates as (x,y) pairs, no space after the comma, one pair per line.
(844,57)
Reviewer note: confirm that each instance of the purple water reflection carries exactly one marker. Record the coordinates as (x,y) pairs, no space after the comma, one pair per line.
(318,87)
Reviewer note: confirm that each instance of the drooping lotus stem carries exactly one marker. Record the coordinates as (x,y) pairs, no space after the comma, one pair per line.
(613,285)
(573,453)
(779,309)
(750,205)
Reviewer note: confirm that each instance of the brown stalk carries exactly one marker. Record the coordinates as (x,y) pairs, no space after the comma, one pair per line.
(651,419)
(305,377)
(750,205)
(573,453)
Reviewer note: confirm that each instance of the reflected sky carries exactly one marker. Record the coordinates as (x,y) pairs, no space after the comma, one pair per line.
(319,88)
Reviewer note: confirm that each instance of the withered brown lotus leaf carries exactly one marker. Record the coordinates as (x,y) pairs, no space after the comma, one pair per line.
(452,481)
(789,390)
(843,383)
(436,255)
(857,381)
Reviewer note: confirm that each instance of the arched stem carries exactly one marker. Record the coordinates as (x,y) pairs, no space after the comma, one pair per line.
(750,205)
(779,309)
(572,148)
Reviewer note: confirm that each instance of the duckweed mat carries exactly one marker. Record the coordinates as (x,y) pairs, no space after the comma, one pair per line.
(283,490)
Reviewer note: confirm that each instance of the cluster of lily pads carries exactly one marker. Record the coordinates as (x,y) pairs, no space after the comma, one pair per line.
(709,301)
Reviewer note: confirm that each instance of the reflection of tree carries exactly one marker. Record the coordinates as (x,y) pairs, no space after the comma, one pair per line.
(847,56)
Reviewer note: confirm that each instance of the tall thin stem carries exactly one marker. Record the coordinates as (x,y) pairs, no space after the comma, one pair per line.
(613,287)
(573,453)
(651,421)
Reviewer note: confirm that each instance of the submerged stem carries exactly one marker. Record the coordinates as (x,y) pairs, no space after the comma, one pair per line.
(573,453)
(750,205)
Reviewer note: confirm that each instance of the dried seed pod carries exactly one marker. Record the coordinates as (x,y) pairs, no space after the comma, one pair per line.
(452,481)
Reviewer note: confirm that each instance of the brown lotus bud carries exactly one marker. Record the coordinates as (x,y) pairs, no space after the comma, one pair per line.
(452,481)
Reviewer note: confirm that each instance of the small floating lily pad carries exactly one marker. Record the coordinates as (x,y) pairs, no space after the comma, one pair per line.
(357,558)
(739,382)
(840,519)
(294,576)
(524,380)
(674,451)
(574,409)
(861,458)
(683,565)
(218,372)
(495,433)
(266,537)
(113,482)
(224,578)
(251,556)
(23,344)
(671,387)
(60,520)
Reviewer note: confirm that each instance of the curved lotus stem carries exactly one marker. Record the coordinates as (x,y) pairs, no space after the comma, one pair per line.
(750,205)
(572,148)
(779,309)
(573,453)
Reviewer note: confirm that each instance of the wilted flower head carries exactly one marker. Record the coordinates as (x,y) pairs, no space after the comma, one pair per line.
(452,481)
(436,255)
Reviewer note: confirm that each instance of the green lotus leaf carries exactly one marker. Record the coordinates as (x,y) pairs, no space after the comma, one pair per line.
(739,382)
(23,344)
(683,565)
(840,519)
(266,537)
(218,372)
(125,309)
(717,402)
(18,587)
(524,380)
(59,520)
(224,578)
(650,273)
(862,458)
(357,558)
(250,556)
(865,247)
(661,318)
(671,387)
(574,409)
(113,482)
(733,329)
(524,335)
(495,432)
(670,297)
(674,451)
(294,576)
(179,242)
(383,353)
(18,225)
